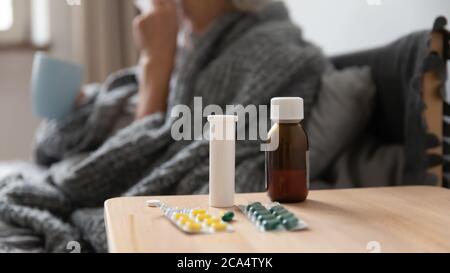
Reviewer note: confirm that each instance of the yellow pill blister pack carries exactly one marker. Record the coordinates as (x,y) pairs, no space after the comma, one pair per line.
(192,221)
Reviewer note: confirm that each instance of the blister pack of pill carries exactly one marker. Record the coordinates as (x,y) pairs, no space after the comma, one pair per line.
(272,217)
(194,221)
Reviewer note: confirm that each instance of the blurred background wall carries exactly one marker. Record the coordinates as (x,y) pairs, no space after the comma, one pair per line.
(97,34)
(347,25)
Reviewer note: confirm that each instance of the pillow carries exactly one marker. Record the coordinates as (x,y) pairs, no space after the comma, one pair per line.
(344,106)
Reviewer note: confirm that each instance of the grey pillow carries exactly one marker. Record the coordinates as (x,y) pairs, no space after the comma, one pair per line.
(344,106)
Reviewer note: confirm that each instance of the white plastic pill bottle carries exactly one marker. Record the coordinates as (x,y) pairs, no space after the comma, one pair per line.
(222,155)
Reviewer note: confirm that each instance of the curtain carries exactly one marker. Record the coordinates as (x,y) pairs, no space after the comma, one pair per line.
(102,37)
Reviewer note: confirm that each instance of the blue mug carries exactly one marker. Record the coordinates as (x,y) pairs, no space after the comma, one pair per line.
(55,85)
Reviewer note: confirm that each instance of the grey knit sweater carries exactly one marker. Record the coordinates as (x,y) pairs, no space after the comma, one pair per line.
(242,59)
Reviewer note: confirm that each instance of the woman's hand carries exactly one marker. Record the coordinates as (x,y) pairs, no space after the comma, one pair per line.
(156,34)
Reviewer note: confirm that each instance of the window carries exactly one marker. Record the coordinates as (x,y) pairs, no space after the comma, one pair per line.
(24,22)
(40,22)
(15,27)
(6,15)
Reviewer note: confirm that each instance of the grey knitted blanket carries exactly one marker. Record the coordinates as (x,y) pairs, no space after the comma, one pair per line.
(242,59)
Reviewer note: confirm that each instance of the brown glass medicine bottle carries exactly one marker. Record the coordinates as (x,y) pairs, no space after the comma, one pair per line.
(287,160)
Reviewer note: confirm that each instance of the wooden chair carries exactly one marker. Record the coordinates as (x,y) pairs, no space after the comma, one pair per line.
(437,112)
(392,81)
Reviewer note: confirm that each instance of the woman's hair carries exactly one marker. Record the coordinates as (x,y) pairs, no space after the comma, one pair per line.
(250,5)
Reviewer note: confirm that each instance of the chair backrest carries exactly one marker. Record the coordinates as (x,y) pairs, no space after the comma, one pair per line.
(437,109)
(439,27)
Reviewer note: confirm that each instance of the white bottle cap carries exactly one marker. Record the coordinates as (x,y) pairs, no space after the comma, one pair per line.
(287,109)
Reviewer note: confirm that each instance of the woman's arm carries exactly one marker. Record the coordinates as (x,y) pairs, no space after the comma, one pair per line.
(156,35)
(153,87)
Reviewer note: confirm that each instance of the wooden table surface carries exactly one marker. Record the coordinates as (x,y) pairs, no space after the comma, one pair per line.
(404,219)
